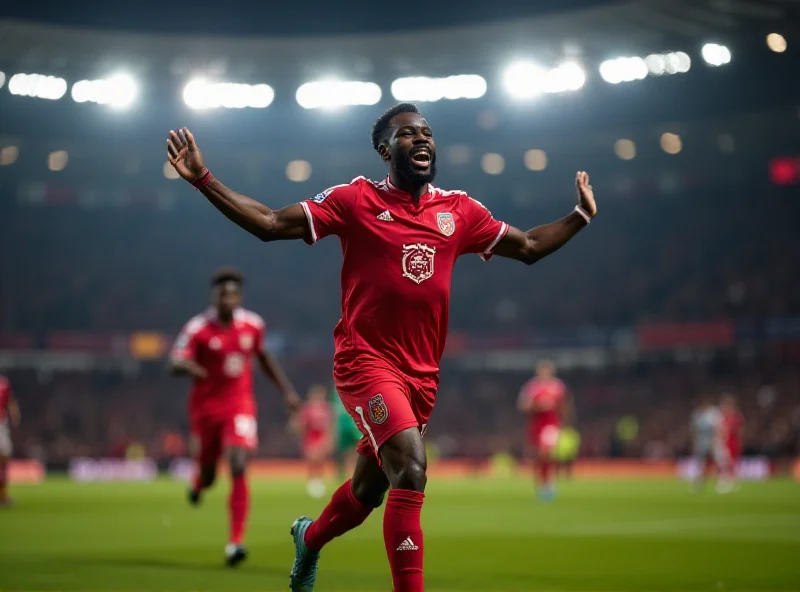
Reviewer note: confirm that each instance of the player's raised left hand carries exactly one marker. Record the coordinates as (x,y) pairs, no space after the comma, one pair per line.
(184,155)
(585,193)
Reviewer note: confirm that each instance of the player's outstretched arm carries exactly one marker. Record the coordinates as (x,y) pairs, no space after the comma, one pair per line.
(256,218)
(273,371)
(535,244)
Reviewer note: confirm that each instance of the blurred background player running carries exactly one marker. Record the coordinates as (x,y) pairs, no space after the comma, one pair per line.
(315,425)
(544,400)
(9,416)
(706,441)
(731,436)
(216,349)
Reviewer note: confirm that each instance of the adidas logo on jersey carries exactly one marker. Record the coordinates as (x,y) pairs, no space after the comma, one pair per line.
(385,216)
(407,545)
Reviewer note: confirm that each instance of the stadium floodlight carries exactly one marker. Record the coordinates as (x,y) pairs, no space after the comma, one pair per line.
(715,54)
(524,80)
(569,76)
(775,41)
(119,90)
(202,94)
(659,64)
(37,85)
(337,93)
(2,79)
(422,88)
(624,69)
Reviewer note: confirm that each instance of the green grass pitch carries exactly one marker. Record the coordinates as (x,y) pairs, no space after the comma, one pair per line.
(480,535)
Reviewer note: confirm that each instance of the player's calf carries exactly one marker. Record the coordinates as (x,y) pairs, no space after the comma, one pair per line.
(238,505)
(405,464)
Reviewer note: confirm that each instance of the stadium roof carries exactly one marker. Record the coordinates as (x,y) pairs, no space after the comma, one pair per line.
(637,26)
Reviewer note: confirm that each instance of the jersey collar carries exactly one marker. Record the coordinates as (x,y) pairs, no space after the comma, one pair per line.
(429,192)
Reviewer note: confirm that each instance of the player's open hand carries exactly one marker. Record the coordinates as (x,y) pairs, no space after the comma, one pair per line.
(585,193)
(184,155)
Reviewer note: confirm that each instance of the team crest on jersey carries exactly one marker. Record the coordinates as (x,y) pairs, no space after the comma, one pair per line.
(378,411)
(418,262)
(447,224)
(246,341)
(215,343)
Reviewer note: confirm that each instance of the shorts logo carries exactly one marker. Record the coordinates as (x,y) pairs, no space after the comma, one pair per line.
(378,411)
(446,222)
(418,262)
(246,341)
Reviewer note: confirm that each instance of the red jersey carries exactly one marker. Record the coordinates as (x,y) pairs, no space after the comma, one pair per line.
(5,398)
(226,353)
(398,261)
(732,424)
(316,418)
(547,396)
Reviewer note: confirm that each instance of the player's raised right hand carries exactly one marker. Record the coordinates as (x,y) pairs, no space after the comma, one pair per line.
(184,155)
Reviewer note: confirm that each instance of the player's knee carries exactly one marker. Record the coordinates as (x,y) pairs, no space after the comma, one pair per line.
(411,474)
(369,494)
(237,459)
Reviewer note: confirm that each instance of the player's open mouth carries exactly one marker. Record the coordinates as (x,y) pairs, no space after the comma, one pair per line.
(421,158)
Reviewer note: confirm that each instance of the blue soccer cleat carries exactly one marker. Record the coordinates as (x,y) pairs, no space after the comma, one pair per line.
(304,569)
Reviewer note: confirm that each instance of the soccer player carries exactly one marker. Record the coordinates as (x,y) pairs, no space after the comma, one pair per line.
(544,400)
(400,237)
(347,436)
(706,440)
(215,349)
(732,430)
(315,424)
(9,410)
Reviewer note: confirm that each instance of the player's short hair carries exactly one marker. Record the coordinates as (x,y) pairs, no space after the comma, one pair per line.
(227,274)
(383,124)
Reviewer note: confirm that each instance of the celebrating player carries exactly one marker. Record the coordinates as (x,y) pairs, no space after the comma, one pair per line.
(216,349)
(544,400)
(732,430)
(401,237)
(315,423)
(9,410)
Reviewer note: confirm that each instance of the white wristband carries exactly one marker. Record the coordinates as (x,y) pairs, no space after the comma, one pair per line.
(584,214)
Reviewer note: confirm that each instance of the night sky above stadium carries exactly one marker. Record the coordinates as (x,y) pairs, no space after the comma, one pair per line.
(251,17)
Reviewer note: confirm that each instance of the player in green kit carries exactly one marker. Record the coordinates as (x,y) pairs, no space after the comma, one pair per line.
(346,437)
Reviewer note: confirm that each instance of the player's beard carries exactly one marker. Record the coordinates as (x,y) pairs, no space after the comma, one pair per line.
(414,176)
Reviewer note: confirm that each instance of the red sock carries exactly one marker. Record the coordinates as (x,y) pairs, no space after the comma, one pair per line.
(402,535)
(238,505)
(344,512)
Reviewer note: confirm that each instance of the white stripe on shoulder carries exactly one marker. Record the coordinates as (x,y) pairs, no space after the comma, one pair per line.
(249,317)
(448,192)
(197,323)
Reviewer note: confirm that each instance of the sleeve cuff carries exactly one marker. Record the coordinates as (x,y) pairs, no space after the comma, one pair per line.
(313,231)
(487,254)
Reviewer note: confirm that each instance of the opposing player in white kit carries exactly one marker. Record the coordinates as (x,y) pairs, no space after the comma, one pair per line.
(707,440)
(9,410)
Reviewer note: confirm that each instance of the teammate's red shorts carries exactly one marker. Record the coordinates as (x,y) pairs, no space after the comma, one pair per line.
(734,448)
(212,434)
(316,445)
(383,401)
(543,436)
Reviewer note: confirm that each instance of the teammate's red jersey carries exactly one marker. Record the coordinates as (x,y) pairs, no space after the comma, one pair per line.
(547,397)
(226,353)
(5,398)
(398,261)
(316,419)
(732,424)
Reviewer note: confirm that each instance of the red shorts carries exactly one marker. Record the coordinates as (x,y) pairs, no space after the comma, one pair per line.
(213,434)
(383,401)
(316,446)
(544,436)
(734,449)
